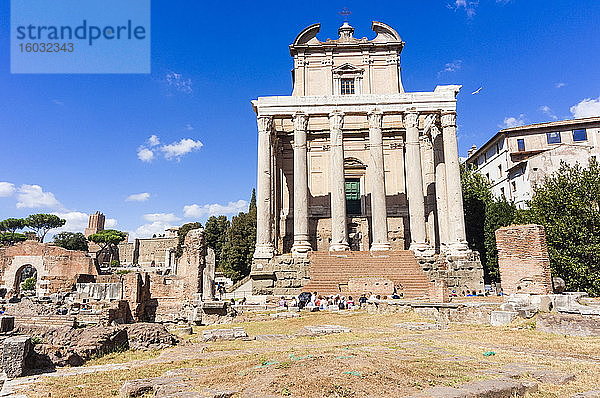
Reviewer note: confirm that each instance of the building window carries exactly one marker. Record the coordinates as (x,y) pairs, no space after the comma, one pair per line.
(579,135)
(520,144)
(513,185)
(347,86)
(553,138)
(502,192)
(500,171)
(353,207)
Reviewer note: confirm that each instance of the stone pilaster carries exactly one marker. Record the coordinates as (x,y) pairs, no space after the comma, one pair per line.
(377,174)
(301,244)
(457,242)
(414,186)
(264,243)
(339,227)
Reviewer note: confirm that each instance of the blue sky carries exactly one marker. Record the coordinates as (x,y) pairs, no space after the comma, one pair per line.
(74,144)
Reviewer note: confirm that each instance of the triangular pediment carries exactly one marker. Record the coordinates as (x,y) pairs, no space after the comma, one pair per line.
(347,68)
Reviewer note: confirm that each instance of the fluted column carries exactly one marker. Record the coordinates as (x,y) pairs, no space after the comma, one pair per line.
(379,225)
(301,244)
(456,219)
(339,228)
(414,185)
(440,188)
(264,244)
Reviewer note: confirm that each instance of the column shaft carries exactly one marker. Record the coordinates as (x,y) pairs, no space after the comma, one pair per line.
(301,239)
(339,228)
(440,189)
(379,225)
(456,218)
(264,243)
(414,184)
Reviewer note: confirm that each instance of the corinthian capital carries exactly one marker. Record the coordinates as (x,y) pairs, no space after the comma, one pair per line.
(336,120)
(265,123)
(410,119)
(375,117)
(300,121)
(448,119)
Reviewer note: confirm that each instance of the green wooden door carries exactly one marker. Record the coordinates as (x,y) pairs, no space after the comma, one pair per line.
(353,197)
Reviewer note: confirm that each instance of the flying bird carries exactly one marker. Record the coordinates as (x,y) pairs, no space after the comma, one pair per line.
(477,91)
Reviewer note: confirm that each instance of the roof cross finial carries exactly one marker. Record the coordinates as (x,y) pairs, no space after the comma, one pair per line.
(345,13)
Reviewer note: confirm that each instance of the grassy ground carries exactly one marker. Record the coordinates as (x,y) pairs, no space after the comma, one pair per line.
(376,359)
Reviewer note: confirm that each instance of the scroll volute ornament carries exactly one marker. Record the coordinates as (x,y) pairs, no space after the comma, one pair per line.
(448,119)
(336,120)
(410,119)
(375,118)
(300,122)
(265,124)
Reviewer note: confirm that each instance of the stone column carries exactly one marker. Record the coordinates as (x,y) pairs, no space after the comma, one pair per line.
(208,275)
(440,188)
(457,242)
(377,173)
(414,185)
(337,186)
(301,244)
(264,243)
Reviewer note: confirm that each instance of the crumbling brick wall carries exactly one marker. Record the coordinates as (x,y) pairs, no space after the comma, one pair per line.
(523,259)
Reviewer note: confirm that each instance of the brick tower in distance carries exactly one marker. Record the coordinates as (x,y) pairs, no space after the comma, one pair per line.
(95,224)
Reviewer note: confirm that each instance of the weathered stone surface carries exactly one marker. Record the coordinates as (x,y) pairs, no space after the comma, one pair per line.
(587,394)
(501,318)
(136,388)
(7,323)
(325,329)
(149,336)
(520,370)
(569,324)
(224,334)
(285,315)
(14,355)
(169,387)
(498,388)
(419,326)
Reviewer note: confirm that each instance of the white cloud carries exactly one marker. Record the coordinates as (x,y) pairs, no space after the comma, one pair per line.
(179,83)
(467,6)
(513,121)
(176,149)
(145,154)
(161,217)
(188,127)
(58,102)
(138,197)
(147,230)
(76,221)
(6,189)
(153,140)
(452,66)
(546,110)
(588,107)
(110,223)
(33,196)
(215,209)
(559,84)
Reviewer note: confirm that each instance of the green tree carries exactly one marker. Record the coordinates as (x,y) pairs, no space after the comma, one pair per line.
(28,284)
(215,233)
(10,238)
(483,216)
(71,241)
(10,226)
(108,239)
(42,223)
(181,234)
(240,241)
(567,204)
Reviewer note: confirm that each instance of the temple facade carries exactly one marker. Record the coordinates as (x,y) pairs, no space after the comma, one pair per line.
(350,161)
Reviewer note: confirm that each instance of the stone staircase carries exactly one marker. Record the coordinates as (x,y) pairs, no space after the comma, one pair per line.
(330,272)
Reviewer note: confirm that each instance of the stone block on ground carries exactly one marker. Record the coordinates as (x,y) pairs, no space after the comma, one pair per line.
(149,336)
(522,370)
(587,394)
(14,355)
(285,315)
(569,324)
(169,387)
(7,323)
(224,334)
(496,388)
(325,329)
(501,318)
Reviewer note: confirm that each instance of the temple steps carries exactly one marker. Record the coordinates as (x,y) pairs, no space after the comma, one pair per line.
(330,273)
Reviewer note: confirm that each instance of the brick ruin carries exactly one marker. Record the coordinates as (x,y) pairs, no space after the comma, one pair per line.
(523,259)
(70,289)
